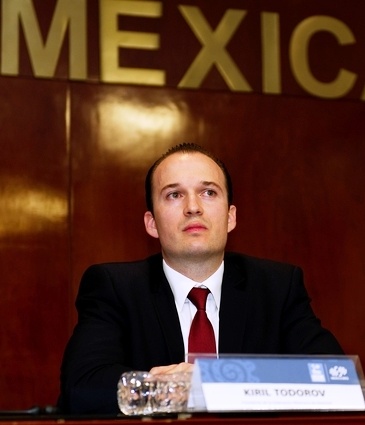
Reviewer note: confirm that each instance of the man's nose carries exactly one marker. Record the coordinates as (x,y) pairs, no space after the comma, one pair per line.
(193,205)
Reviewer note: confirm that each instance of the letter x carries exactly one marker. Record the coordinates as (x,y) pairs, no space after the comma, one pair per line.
(213,50)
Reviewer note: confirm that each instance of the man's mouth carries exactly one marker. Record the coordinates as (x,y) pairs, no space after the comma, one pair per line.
(194,227)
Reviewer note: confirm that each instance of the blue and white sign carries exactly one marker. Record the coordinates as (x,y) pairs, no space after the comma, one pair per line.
(276,383)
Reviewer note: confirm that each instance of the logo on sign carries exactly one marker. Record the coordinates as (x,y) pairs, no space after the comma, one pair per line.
(316,371)
(338,373)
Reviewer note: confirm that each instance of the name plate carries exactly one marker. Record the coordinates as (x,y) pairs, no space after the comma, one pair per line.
(252,383)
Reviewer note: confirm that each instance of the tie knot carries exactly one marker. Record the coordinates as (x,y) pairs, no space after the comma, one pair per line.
(198,296)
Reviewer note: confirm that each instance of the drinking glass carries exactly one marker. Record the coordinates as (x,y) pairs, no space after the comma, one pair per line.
(140,393)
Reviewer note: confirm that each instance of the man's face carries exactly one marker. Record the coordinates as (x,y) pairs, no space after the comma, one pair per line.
(191,213)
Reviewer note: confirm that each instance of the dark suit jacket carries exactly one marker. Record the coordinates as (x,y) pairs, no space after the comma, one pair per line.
(128,321)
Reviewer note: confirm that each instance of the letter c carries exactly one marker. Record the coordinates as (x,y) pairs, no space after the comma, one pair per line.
(298,52)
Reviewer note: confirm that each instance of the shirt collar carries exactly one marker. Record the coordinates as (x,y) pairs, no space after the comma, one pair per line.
(181,285)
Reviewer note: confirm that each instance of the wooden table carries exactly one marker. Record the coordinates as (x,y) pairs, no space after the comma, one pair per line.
(335,418)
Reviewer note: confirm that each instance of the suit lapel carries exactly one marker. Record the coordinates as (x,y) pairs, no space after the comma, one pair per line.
(233,308)
(165,307)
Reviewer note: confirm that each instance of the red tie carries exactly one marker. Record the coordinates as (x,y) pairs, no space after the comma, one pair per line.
(201,337)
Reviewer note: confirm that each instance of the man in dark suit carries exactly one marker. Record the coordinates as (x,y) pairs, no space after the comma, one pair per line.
(136,316)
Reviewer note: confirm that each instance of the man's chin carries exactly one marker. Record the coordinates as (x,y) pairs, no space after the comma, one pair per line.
(200,253)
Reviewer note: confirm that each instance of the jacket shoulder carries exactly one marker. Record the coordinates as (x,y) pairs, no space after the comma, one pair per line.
(243,260)
(136,267)
(131,273)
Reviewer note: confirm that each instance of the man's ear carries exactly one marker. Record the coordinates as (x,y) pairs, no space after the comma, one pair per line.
(231,218)
(150,224)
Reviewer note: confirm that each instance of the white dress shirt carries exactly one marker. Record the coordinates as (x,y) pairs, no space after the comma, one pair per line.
(181,286)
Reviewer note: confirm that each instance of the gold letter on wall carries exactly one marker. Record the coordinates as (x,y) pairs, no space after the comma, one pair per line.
(111,39)
(299,56)
(270,35)
(213,51)
(44,57)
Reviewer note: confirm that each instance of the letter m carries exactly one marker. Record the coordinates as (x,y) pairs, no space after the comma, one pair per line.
(44,56)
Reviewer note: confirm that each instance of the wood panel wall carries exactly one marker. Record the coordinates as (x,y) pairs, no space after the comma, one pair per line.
(74,155)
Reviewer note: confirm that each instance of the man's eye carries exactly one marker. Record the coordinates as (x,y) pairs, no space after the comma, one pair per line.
(173,195)
(210,192)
